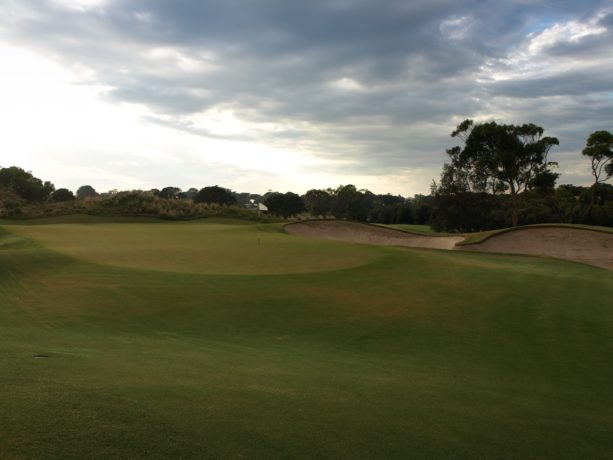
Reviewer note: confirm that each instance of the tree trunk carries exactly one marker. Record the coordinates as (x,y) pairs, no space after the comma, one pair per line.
(586,214)
(514,216)
(514,206)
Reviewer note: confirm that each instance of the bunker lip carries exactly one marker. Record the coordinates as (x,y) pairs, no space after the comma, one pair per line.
(356,232)
(576,244)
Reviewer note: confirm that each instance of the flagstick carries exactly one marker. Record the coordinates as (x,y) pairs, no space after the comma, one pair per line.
(259,225)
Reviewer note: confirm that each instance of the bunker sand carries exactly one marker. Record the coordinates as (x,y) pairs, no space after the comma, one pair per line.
(586,246)
(370,234)
(580,245)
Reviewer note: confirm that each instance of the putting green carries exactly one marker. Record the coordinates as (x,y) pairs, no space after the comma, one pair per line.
(197,247)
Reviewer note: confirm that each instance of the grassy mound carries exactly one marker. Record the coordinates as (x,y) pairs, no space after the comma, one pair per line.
(408,354)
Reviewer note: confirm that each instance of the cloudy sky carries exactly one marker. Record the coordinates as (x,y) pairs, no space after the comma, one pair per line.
(286,95)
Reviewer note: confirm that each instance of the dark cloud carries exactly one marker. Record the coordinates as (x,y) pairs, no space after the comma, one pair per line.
(570,83)
(405,64)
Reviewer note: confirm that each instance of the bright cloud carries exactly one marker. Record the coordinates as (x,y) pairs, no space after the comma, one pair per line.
(80,5)
(569,32)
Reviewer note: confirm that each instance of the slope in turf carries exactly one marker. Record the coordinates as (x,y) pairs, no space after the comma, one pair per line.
(418,354)
(196,247)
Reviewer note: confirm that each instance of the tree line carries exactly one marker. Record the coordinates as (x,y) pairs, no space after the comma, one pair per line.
(500,176)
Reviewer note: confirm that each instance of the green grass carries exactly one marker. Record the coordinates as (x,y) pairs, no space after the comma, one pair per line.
(398,353)
(419,229)
(214,247)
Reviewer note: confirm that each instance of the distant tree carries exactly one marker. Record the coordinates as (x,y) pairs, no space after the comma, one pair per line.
(403,213)
(318,202)
(24,184)
(391,209)
(169,193)
(503,158)
(422,209)
(248,200)
(215,194)
(243,199)
(61,194)
(599,148)
(86,191)
(284,204)
(275,203)
(351,203)
(191,194)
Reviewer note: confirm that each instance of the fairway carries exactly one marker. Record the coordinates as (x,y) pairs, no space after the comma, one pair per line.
(190,340)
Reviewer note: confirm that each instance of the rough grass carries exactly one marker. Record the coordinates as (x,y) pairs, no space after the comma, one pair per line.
(412,354)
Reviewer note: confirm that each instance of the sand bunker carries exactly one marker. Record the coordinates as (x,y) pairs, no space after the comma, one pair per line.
(370,234)
(587,246)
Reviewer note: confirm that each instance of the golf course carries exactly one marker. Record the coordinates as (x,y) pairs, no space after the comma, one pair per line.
(215,338)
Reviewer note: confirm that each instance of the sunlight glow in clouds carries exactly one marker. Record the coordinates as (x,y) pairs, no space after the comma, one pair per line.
(52,124)
(347,84)
(80,5)
(571,32)
(172,58)
(531,60)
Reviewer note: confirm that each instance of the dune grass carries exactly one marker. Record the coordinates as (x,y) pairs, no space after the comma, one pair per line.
(400,354)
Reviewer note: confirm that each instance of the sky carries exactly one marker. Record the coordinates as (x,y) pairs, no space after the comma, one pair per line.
(258,95)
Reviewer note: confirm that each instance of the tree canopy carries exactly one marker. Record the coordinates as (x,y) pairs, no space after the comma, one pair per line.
(351,203)
(215,194)
(284,204)
(318,202)
(500,158)
(169,193)
(86,191)
(61,194)
(599,148)
(24,184)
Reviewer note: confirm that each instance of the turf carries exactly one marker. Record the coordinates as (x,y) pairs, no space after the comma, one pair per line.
(406,354)
(419,229)
(214,247)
